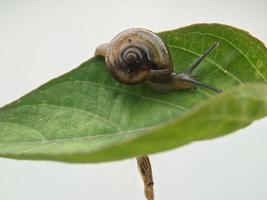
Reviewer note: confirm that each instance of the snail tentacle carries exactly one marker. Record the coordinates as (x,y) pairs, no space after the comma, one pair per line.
(190,69)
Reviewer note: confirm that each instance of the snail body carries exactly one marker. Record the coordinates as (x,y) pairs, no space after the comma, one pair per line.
(139,55)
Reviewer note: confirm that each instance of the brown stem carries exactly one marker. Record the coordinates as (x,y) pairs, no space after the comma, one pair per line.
(144,168)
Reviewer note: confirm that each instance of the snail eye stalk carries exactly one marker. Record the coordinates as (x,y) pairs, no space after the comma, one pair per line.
(190,69)
(186,74)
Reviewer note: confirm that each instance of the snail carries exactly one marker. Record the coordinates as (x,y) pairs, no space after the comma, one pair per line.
(139,55)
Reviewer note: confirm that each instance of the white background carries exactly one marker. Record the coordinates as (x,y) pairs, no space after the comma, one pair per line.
(40,40)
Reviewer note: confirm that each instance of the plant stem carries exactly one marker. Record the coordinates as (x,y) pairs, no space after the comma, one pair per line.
(144,168)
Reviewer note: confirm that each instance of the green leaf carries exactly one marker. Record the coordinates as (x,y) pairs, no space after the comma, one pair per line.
(86,116)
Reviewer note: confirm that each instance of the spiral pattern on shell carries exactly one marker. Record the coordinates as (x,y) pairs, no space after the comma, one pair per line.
(132,56)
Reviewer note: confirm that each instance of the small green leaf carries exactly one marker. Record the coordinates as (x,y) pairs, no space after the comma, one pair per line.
(86,116)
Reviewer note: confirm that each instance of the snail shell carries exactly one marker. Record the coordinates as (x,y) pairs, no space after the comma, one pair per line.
(136,55)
